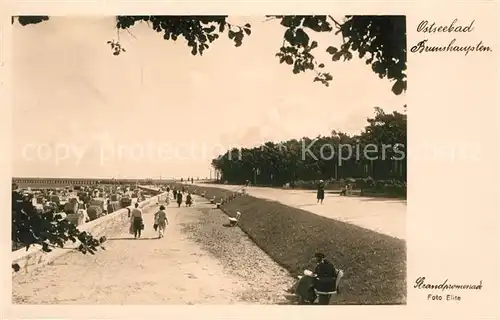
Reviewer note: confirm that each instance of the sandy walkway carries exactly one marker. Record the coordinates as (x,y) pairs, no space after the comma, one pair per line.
(196,263)
(386,216)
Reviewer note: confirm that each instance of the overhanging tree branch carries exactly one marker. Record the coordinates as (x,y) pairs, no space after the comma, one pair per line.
(380,40)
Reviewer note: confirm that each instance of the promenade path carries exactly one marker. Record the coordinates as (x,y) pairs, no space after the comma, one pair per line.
(387,216)
(197,262)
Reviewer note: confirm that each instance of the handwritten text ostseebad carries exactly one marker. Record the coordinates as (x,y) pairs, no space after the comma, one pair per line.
(455,27)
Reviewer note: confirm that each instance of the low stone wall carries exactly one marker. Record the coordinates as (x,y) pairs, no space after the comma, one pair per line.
(34,257)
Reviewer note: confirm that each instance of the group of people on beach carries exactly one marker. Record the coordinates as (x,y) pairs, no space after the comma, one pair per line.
(160,217)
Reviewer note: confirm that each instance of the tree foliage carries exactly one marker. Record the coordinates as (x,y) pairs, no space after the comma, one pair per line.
(380,40)
(335,157)
(47,228)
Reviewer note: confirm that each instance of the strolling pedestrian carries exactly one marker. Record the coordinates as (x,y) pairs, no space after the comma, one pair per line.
(137,221)
(161,221)
(189,200)
(167,199)
(179,199)
(320,195)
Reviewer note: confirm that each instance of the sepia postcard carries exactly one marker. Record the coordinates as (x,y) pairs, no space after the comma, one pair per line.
(250,162)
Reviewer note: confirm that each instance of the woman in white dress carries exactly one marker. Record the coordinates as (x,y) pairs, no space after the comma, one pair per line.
(161,221)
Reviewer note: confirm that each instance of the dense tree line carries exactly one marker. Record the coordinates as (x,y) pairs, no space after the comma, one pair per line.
(376,155)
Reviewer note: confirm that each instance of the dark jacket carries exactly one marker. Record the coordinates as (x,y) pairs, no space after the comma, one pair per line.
(326,276)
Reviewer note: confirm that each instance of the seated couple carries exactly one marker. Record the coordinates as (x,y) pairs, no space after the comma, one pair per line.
(346,190)
(320,284)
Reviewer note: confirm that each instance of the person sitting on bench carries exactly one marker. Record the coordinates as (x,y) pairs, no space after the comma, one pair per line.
(343,191)
(322,282)
(326,275)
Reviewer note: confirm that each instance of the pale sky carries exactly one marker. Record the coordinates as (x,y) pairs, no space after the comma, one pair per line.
(79,111)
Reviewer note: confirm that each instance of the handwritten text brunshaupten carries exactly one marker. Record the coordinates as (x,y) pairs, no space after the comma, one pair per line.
(454,27)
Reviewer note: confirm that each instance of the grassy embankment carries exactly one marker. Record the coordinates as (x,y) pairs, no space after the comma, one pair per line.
(374,264)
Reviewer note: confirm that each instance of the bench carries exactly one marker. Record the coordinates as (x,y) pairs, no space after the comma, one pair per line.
(339,276)
(234,221)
